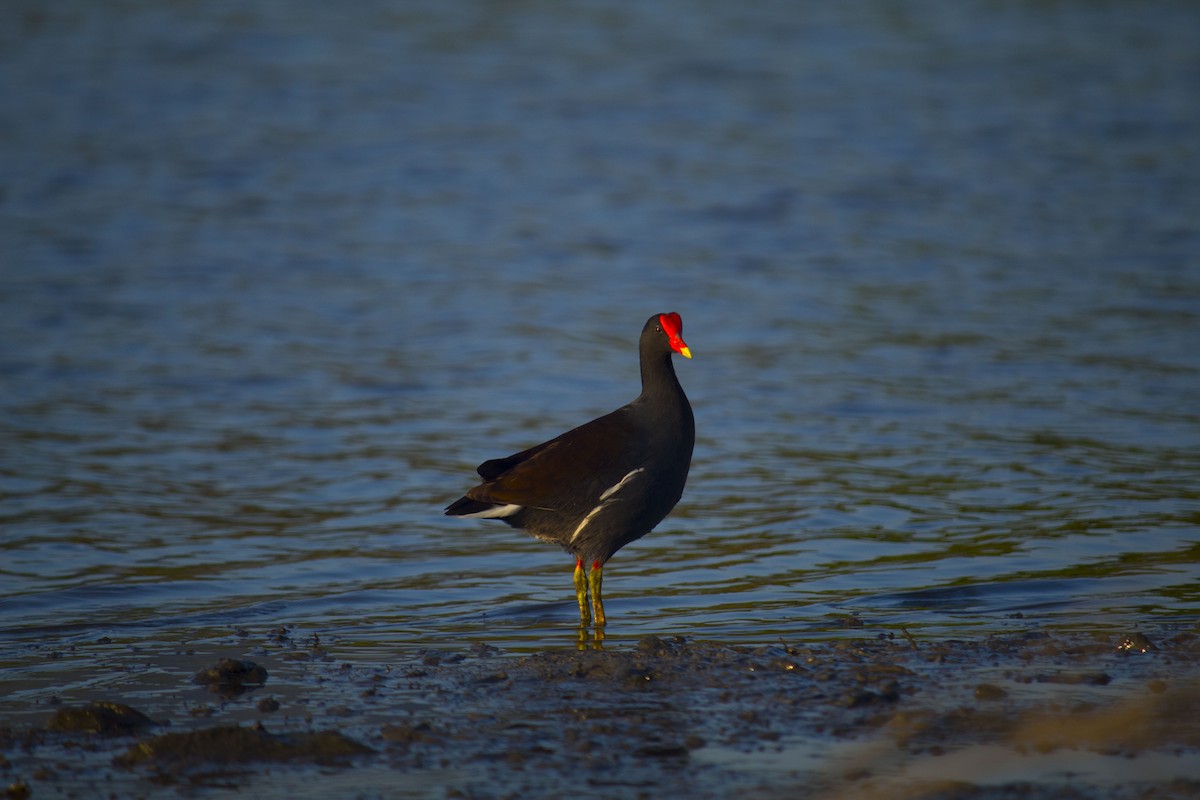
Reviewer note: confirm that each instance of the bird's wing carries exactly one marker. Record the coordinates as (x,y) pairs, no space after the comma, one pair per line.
(490,470)
(584,460)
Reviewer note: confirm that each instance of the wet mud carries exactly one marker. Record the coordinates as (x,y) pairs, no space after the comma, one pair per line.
(1035,715)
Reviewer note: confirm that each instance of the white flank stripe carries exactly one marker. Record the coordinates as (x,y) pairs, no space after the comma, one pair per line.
(496,512)
(610,491)
(605,498)
(585,521)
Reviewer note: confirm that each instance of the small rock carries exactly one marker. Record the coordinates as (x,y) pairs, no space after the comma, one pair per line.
(230,677)
(1135,643)
(662,750)
(860,698)
(988,691)
(232,744)
(1075,678)
(407,733)
(495,677)
(109,719)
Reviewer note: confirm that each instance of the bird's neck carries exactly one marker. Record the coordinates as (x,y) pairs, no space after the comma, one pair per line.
(659,383)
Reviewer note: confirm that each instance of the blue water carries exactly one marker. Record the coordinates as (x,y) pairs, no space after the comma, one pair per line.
(276,278)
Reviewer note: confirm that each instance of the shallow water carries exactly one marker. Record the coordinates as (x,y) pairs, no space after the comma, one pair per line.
(275,282)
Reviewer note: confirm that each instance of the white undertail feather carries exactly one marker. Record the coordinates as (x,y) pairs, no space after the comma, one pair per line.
(606,497)
(496,512)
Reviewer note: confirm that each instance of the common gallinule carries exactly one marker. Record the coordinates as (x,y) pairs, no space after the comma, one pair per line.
(598,487)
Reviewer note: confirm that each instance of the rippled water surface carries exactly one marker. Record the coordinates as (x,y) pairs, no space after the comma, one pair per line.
(275,279)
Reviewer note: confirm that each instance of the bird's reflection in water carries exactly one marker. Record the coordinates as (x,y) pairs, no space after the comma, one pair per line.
(590,638)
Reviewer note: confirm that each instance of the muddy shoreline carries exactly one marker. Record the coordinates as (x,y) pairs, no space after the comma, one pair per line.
(1028,715)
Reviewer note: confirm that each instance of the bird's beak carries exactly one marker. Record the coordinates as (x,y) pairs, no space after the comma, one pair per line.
(685,351)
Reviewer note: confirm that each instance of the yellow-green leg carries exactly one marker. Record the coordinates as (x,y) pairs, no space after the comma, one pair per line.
(594,579)
(581,594)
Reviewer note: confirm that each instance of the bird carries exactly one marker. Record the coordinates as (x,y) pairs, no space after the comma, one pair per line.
(606,483)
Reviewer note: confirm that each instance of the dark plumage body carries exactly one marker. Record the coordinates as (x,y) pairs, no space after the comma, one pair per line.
(600,486)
